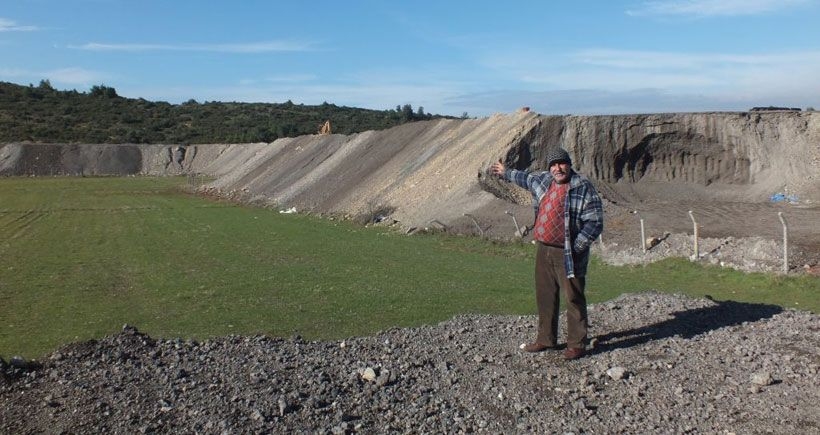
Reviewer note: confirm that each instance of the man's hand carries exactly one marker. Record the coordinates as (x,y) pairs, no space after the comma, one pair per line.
(498,169)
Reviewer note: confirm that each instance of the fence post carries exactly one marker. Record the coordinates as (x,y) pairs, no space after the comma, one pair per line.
(515,222)
(643,237)
(695,224)
(785,242)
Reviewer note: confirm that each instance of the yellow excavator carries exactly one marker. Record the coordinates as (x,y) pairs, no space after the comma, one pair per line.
(325,128)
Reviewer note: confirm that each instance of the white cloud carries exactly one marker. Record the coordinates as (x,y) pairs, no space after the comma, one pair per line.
(62,76)
(75,76)
(7,25)
(588,81)
(251,47)
(359,93)
(281,78)
(12,72)
(291,78)
(624,70)
(624,81)
(603,102)
(707,8)
(376,89)
(653,60)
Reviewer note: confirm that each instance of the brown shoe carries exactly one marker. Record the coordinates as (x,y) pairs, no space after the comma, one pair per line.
(574,352)
(534,347)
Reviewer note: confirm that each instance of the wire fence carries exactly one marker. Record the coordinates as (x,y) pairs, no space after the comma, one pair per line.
(645,243)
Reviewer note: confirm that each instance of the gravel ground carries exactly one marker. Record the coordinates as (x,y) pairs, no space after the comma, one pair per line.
(731,236)
(660,364)
(749,254)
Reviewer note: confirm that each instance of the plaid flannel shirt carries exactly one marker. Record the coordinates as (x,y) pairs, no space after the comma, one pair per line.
(583,214)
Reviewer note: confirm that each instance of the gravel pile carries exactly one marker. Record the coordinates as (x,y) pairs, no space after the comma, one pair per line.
(749,254)
(660,364)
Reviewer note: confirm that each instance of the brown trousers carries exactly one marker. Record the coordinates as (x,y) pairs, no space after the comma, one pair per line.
(550,277)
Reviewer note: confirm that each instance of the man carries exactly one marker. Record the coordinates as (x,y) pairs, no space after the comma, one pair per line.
(569,217)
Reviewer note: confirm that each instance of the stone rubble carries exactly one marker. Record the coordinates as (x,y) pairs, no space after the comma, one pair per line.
(661,364)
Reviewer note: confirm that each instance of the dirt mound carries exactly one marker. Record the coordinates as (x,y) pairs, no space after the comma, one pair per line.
(661,364)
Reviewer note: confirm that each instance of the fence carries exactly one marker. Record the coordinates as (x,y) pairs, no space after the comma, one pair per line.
(648,243)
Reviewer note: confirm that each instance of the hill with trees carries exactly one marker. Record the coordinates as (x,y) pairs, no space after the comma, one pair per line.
(45,115)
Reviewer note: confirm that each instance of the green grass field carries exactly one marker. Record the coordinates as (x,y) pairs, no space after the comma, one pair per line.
(80,257)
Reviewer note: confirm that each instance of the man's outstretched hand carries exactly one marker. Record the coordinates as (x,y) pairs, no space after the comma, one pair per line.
(498,169)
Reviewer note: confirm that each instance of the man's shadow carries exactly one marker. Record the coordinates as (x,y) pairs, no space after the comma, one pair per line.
(687,324)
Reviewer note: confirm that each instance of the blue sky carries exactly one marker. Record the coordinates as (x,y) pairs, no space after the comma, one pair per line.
(449,57)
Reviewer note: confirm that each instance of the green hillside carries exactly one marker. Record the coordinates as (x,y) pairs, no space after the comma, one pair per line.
(46,115)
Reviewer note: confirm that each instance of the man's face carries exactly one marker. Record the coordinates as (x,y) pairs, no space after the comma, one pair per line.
(560,172)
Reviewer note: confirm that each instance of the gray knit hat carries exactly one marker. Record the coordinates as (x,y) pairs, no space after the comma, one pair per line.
(557,155)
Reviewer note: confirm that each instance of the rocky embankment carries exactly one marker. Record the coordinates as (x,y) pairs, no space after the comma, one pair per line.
(660,364)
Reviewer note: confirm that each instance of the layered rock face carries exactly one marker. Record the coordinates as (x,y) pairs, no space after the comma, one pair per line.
(60,159)
(738,156)
(27,159)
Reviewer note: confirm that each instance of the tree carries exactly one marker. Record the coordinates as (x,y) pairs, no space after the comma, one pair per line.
(420,112)
(45,85)
(406,113)
(103,91)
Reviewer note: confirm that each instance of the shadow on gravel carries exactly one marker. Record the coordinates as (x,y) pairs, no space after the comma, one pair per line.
(688,324)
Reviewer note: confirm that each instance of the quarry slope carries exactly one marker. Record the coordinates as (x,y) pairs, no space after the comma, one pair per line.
(662,364)
(723,166)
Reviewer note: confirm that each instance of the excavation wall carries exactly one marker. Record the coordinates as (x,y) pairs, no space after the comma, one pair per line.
(434,171)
